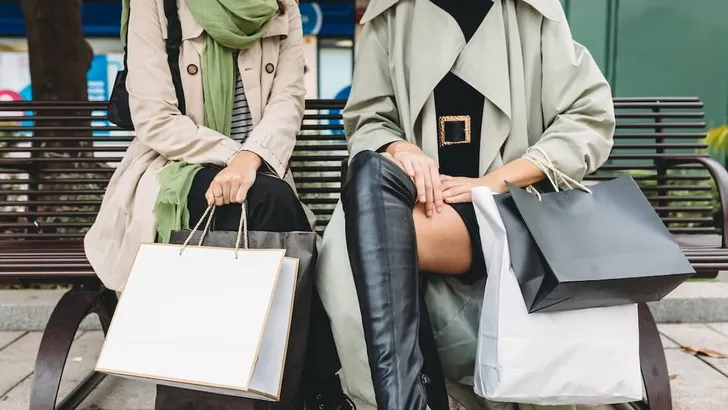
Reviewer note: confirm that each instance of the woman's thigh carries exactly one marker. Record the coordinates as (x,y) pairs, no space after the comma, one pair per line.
(443,241)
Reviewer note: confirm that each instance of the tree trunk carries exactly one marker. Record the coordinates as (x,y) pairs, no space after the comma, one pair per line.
(59,55)
(59,59)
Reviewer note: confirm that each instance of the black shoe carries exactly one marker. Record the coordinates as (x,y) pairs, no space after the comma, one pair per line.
(329,396)
(378,200)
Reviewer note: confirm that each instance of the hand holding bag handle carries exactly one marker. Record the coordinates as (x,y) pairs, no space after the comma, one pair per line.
(242,228)
(652,357)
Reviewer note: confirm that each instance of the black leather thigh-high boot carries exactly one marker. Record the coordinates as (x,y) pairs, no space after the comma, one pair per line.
(378,201)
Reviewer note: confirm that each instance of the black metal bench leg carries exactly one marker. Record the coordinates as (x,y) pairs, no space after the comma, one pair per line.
(653,362)
(55,345)
(105,310)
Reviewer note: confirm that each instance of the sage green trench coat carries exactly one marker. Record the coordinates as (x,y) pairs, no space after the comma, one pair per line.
(541,88)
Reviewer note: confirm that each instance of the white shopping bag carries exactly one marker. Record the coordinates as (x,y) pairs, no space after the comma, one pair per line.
(586,356)
(210,319)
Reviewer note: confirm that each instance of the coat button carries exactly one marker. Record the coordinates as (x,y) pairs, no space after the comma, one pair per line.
(269,68)
(192,69)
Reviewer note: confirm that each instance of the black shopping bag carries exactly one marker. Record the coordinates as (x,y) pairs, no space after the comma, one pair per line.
(576,250)
(299,245)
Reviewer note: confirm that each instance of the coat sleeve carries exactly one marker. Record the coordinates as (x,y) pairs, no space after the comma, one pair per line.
(274,138)
(371,119)
(577,106)
(154,108)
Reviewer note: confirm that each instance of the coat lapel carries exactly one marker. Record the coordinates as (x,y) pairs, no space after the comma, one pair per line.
(484,64)
(436,42)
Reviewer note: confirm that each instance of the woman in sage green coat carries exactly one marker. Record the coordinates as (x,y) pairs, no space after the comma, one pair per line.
(446,96)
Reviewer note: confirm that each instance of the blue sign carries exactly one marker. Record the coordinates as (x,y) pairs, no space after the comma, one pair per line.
(311,18)
(101,19)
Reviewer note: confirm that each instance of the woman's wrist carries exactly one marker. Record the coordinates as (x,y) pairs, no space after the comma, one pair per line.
(248,158)
(401,146)
(495,185)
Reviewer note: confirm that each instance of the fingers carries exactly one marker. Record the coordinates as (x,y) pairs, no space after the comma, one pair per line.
(244,187)
(230,187)
(457,193)
(420,182)
(241,194)
(217,192)
(436,187)
(409,168)
(447,183)
(460,198)
(227,185)
(210,197)
(429,192)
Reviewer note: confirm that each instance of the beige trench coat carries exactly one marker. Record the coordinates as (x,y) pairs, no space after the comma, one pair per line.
(272,74)
(542,89)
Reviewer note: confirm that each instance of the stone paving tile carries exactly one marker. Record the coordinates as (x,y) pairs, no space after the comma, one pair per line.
(8,337)
(81,360)
(18,361)
(697,386)
(667,343)
(720,328)
(700,336)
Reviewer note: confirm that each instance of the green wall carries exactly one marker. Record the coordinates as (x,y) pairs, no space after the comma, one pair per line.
(659,47)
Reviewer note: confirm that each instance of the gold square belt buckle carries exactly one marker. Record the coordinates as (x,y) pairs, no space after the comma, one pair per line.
(454,129)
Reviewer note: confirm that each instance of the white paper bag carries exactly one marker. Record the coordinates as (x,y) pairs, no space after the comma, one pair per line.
(587,356)
(204,320)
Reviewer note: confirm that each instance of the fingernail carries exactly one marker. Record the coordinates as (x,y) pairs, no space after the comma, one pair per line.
(422,198)
(439,209)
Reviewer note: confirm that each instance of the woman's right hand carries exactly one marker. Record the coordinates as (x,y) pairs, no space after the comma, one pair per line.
(422,169)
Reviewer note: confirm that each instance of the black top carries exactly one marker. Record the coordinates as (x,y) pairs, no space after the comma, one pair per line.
(455,97)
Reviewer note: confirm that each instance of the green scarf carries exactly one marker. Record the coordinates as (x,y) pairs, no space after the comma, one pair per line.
(230,25)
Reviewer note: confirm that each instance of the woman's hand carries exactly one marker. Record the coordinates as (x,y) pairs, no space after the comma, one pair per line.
(456,190)
(231,185)
(423,170)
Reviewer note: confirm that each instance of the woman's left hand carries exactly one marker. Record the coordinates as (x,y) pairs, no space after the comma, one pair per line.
(456,190)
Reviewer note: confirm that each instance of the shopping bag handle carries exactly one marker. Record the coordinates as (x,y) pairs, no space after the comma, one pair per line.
(242,228)
(550,169)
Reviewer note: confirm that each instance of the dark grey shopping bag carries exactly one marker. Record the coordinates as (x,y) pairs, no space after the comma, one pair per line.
(575,249)
(299,245)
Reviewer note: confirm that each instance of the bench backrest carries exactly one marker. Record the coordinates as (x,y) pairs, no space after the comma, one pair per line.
(56,159)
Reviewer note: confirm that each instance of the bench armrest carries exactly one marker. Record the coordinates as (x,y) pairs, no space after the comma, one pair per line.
(720,176)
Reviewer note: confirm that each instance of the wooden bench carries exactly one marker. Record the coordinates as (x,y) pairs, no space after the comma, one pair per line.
(52,184)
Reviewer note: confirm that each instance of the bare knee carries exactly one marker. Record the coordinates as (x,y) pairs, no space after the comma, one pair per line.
(443,242)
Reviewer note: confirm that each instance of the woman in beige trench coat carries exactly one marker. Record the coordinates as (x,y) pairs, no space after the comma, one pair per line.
(535,97)
(259,64)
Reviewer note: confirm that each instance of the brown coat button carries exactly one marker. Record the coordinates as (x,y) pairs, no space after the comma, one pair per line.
(192,69)
(269,68)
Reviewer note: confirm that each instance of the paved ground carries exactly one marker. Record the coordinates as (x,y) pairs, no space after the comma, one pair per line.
(700,383)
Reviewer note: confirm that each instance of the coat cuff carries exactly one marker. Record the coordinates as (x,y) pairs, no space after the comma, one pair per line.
(372,142)
(270,160)
(552,153)
(226,150)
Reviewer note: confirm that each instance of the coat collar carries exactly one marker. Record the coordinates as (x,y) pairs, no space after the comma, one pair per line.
(191,29)
(427,66)
(550,9)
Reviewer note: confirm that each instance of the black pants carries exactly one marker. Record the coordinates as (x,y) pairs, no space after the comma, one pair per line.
(272,207)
